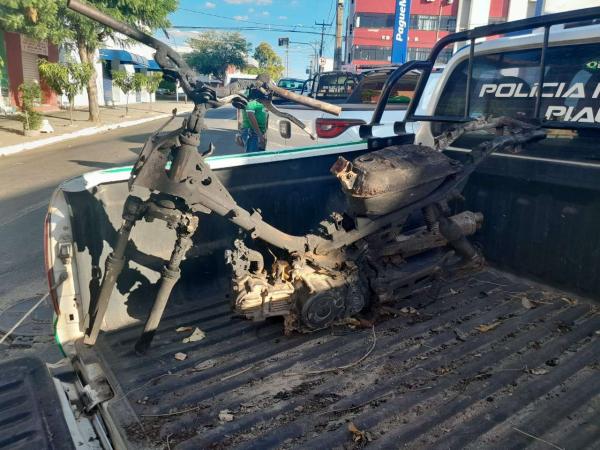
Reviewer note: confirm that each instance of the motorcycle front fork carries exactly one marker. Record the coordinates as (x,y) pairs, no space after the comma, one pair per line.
(185,225)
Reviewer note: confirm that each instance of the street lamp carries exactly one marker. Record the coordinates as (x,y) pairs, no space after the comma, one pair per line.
(314,47)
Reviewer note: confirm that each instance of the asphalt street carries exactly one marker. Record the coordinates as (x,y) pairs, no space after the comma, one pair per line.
(28,179)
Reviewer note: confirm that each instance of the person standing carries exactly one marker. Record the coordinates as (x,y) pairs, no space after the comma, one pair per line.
(254,127)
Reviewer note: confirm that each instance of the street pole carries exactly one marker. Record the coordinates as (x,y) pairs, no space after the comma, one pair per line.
(337,58)
(322,25)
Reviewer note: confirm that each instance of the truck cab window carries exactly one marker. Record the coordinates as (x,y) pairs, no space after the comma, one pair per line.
(507,83)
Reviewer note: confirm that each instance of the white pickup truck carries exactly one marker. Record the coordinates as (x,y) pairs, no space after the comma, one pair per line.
(504,358)
(357,108)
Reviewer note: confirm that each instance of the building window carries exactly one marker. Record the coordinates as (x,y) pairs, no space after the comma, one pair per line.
(368,53)
(432,23)
(367,20)
(423,53)
(494,20)
(419,54)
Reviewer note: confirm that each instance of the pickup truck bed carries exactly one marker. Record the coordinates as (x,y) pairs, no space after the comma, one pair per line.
(493,362)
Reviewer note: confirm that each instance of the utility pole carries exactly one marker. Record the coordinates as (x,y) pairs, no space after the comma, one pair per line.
(322,25)
(337,57)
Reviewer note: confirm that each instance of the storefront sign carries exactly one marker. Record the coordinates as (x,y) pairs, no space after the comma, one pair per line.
(400,41)
(33,46)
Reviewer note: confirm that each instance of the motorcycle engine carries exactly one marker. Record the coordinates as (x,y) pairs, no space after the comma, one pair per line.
(309,297)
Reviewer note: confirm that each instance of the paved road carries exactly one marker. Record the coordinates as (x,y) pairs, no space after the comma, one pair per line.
(27,181)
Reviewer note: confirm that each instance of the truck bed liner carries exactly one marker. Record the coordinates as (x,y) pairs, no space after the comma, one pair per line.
(494,362)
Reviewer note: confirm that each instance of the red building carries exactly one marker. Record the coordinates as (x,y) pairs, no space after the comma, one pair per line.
(20,56)
(370,26)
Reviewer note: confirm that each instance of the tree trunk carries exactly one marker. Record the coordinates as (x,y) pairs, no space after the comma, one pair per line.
(86,55)
(126,104)
(71,105)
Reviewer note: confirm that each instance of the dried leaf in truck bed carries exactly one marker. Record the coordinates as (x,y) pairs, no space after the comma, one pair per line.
(357,435)
(179,356)
(183,329)
(484,328)
(197,335)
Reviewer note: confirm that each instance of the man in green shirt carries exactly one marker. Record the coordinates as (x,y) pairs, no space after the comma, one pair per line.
(254,127)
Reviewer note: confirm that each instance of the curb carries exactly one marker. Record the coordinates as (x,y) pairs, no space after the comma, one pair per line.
(17,148)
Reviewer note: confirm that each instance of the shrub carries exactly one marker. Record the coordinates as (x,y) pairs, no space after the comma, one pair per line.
(31,94)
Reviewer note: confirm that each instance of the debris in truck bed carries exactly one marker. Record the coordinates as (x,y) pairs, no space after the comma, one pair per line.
(484,328)
(197,335)
(225,416)
(420,386)
(205,365)
(180,356)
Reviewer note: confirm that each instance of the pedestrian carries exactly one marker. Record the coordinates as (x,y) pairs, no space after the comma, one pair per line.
(254,127)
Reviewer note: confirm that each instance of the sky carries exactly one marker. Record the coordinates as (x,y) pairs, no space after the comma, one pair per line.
(270,20)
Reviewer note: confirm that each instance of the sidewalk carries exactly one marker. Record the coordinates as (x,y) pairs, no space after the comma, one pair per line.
(13,141)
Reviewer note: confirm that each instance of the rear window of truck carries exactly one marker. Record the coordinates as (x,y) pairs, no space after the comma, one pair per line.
(335,86)
(507,83)
(369,90)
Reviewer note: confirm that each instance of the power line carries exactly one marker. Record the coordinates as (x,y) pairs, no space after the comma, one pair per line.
(239,19)
(278,30)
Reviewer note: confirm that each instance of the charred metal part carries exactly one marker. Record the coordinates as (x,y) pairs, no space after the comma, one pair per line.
(499,125)
(422,239)
(395,281)
(272,108)
(241,259)
(170,275)
(386,180)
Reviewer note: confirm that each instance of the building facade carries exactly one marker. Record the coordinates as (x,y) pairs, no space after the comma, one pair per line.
(20,56)
(370,24)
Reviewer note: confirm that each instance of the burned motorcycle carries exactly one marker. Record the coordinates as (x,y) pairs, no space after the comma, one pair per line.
(371,252)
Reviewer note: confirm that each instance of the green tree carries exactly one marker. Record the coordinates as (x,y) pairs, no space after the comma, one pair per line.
(269,62)
(51,19)
(66,79)
(31,95)
(153,80)
(214,51)
(126,83)
(139,81)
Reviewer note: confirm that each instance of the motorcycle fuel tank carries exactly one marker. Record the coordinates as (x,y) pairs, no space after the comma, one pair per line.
(385,180)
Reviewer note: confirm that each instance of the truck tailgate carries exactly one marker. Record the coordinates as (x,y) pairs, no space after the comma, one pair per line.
(31,416)
(494,362)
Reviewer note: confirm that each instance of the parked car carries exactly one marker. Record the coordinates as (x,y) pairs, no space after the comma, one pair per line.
(291,84)
(503,358)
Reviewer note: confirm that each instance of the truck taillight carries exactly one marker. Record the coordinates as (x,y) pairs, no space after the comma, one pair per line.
(330,128)
(48,264)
